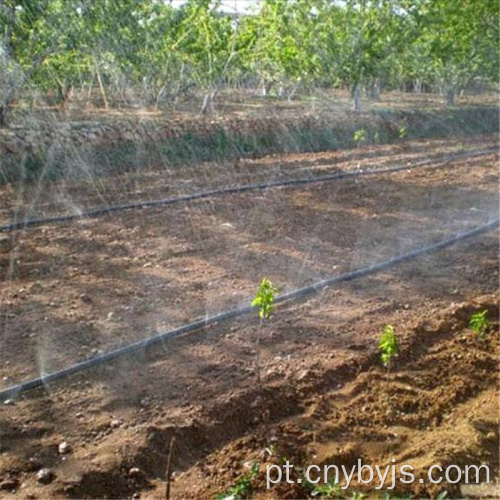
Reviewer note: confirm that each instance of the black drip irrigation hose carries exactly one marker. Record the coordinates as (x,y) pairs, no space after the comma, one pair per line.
(233,190)
(299,293)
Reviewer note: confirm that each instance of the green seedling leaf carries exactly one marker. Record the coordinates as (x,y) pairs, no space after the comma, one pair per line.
(480,324)
(242,488)
(388,344)
(264,299)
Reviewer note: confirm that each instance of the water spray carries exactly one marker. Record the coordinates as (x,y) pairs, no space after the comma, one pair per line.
(258,186)
(297,294)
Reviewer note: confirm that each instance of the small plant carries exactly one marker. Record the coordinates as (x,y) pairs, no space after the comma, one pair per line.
(480,324)
(389,346)
(330,490)
(390,496)
(403,132)
(359,136)
(356,495)
(264,299)
(242,488)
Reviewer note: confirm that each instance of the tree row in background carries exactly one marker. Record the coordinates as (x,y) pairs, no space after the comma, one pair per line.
(151,52)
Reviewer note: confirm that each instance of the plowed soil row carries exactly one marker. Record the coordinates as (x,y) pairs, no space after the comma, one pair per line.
(73,290)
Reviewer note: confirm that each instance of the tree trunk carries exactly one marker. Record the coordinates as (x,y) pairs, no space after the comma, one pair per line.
(355,96)
(208,100)
(65,93)
(266,88)
(101,88)
(207,104)
(89,93)
(450,96)
(159,95)
(7,92)
(293,91)
(3,115)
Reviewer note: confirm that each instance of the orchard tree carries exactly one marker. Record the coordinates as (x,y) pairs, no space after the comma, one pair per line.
(460,40)
(283,38)
(207,44)
(359,36)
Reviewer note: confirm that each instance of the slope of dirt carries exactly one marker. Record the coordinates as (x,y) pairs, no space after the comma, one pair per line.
(76,289)
(438,406)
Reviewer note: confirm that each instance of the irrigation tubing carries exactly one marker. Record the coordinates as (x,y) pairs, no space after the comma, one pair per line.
(233,190)
(299,293)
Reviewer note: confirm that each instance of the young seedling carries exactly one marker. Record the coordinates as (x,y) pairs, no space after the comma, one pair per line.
(330,490)
(359,136)
(389,346)
(264,301)
(480,324)
(242,488)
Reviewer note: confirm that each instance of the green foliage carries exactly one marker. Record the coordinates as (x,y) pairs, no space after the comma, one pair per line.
(264,299)
(480,324)
(161,50)
(331,490)
(389,346)
(359,136)
(242,488)
(391,496)
(356,495)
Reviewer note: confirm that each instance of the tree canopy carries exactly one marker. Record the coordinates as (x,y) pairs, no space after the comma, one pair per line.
(155,51)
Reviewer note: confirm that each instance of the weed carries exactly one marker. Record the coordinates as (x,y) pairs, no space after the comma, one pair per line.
(331,490)
(390,496)
(356,495)
(402,132)
(389,346)
(359,136)
(480,324)
(242,488)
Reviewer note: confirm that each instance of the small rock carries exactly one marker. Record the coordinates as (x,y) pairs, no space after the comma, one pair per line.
(45,476)
(115,424)
(9,402)
(64,448)
(135,472)
(85,298)
(303,375)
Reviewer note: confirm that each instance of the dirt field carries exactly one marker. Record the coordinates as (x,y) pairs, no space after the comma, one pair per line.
(73,290)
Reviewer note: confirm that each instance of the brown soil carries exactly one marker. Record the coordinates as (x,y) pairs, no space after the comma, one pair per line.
(75,289)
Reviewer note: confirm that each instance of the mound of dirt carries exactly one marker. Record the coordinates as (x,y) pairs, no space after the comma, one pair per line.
(439,405)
